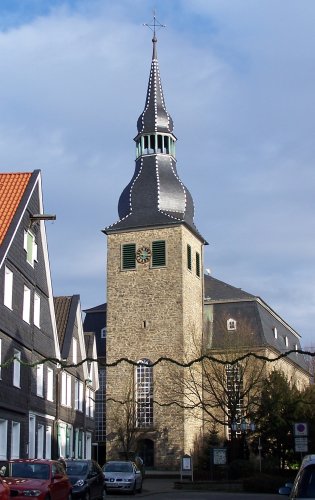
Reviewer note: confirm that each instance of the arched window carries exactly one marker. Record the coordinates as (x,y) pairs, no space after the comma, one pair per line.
(144,393)
(231,324)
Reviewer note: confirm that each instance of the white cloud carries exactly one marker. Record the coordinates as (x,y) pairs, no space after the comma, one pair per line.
(238,79)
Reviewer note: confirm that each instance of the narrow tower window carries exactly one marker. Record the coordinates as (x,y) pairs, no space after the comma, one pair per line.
(189,257)
(198,264)
(166,145)
(146,144)
(160,144)
(152,144)
(144,393)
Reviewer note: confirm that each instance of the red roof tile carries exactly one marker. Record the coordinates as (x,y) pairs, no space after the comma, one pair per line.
(12,188)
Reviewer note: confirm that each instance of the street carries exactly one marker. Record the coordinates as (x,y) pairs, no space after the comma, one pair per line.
(164,488)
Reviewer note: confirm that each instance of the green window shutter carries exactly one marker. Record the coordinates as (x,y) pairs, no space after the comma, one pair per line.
(189,257)
(158,254)
(129,256)
(197,264)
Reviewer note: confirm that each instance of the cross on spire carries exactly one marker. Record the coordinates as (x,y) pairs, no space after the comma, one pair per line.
(155,26)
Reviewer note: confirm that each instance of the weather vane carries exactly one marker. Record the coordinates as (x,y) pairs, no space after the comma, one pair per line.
(155,26)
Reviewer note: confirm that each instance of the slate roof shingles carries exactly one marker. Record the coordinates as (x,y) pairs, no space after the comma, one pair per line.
(62,310)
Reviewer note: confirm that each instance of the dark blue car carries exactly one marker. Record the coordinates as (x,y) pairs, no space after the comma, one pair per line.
(87,479)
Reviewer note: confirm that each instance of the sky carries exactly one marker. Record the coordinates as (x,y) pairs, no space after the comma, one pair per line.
(239,82)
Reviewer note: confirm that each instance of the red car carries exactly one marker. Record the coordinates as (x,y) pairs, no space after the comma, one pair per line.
(4,490)
(43,479)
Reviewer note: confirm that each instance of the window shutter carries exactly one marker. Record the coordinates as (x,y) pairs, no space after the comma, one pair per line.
(129,256)
(189,257)
(198,264)
(158,253)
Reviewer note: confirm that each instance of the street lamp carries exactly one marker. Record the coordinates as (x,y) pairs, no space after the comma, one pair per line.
(243,427)
(247,426)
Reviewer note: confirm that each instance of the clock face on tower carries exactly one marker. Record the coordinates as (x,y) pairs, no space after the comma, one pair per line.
(143,255)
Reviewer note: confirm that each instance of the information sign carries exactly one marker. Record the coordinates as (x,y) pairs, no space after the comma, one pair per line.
(219,456)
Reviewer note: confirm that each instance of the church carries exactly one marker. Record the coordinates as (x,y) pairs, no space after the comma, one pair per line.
(162,312)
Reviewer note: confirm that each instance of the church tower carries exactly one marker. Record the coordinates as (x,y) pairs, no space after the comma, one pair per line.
(154,296)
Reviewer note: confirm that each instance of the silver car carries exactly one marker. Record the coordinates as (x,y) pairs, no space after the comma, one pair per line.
(122,476)
(304,483)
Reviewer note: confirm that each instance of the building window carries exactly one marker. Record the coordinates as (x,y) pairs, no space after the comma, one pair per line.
(78,395)
(234,386)
(30,247)
(64,440)
(31,436)
(189,257)
(15,440)
(144,393)
(74,351)
(66,389)
(26,304)
(158,253)
(37,310)
(103,333)
(231,324)
(275,332)
(129,256)
(8,287)
(99,407)
(88,445)
(286,341)
(78,443)
(50,385)
(198,264)
(40,380)
(4,439)
(48,442)
(89,402)
(17,369)
(40,441)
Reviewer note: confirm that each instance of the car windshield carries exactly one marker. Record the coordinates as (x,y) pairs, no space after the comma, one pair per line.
(118,467)
(36,471)
(306,484)
(77,469)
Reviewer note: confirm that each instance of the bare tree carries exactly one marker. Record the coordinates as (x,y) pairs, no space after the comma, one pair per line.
(226,390)
(125,431)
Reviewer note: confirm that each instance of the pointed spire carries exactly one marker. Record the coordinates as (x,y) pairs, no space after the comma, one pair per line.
(154,117)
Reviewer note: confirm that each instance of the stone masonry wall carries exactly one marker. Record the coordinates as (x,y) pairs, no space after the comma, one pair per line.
(153,312)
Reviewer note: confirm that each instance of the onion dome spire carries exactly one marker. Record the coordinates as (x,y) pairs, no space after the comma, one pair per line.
(155,196)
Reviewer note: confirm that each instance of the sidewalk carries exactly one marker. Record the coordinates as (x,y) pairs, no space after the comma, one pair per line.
(153,485)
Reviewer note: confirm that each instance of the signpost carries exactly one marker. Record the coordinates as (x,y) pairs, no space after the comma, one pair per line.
(186,468)
(219,456)
(301,437)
